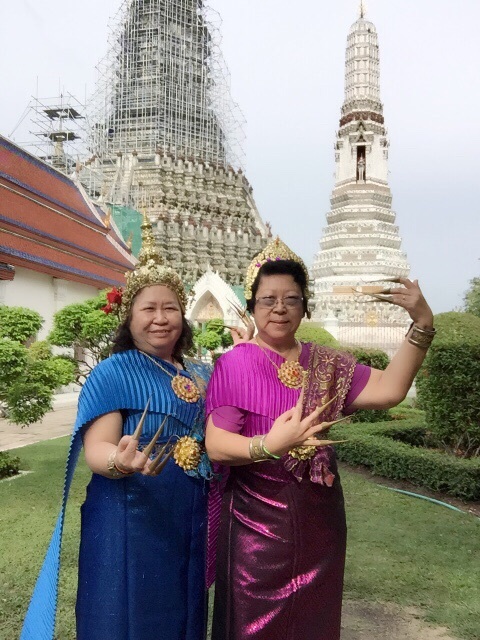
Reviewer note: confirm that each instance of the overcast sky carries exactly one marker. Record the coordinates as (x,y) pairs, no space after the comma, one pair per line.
(287,67)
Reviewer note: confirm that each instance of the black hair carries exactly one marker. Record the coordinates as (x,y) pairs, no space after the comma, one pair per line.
(123,339)
(281,268)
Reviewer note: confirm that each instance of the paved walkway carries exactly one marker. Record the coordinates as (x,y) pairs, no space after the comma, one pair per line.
(55,424)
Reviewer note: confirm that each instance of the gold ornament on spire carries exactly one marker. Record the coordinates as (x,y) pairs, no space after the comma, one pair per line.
(274,251)
(150,270)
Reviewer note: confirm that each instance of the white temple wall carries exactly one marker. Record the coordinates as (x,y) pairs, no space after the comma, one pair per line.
(42,293)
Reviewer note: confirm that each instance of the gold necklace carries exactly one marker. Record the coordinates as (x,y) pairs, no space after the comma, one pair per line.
(290,373)
(183,387)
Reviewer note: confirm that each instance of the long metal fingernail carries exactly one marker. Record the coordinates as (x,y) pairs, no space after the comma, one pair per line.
(138,431)
(149,448)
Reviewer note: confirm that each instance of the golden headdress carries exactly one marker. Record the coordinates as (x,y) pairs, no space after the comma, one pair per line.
(149,271)
(275,250)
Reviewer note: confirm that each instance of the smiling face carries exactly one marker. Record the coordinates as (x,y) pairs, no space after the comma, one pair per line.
(277,325)
(156,321)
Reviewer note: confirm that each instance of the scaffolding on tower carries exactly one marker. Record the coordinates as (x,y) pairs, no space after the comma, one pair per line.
(164,88)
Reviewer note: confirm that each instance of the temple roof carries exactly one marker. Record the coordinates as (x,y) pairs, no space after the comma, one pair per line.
(48,224)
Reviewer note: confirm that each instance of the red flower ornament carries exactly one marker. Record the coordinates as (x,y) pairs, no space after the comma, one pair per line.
(114,301)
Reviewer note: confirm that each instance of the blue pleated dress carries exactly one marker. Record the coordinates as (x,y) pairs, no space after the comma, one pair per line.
(143,539)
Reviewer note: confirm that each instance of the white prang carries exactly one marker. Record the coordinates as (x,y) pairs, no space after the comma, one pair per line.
(361,242)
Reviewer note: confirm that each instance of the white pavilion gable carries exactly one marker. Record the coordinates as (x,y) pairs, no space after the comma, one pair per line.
(212,298)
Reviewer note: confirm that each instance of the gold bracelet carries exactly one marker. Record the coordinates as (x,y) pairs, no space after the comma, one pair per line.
(255,448)
(115,472)
(421,338)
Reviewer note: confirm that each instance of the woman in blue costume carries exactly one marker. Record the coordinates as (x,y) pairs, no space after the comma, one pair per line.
(143,532)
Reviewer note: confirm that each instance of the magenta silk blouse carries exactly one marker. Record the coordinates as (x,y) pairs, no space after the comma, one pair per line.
(232,419)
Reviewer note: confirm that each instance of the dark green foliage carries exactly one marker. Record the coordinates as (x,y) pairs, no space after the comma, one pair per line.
(448,385)
(9,465)
(314,332)
(18,323)
(378,360)
(384,449)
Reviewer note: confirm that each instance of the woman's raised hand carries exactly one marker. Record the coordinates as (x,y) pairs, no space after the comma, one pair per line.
(410,297)
(290,430)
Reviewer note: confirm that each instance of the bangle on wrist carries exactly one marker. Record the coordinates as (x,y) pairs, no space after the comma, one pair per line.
(114,471)
(255,447)
(421,338)
(267,452)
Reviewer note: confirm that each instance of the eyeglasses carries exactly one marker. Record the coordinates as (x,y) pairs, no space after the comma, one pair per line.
(269,302)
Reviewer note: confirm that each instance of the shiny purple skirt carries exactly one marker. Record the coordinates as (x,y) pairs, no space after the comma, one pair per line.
(281,557)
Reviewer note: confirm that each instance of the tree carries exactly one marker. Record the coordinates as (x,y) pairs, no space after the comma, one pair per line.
(19,323)
(28,376)
(214,337)
(86,329)
(471,298)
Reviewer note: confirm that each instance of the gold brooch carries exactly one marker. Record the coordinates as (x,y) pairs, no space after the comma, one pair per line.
(187,453)
(185,389)
(291,374)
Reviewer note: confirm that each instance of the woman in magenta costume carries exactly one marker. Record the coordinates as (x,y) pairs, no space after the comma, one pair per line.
(282,537)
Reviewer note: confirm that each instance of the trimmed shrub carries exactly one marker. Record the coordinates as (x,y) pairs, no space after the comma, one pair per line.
(9,465)
(377,359)
(448,384)
(377,448)
(314,332)
(19,323)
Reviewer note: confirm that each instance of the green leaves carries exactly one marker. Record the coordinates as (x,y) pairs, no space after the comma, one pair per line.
(214,336)
(472,298)
(19,323)
(13,360)
(448,385)
(378,360)
(86,329)
(28,376)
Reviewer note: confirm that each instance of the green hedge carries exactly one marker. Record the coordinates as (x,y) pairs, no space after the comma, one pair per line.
(378,360)
(379,448)
(448,384)
(314,332)
(9,465)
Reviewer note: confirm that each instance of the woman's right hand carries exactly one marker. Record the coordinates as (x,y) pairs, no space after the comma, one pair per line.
(290,430)
(128,459)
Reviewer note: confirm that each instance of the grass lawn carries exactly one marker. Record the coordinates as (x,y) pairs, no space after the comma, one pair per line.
(400,549)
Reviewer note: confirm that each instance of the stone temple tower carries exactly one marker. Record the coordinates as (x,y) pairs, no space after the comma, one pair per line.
(166,137)
(361,242)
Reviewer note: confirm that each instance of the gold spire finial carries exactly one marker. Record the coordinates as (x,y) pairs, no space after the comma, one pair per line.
(149,253)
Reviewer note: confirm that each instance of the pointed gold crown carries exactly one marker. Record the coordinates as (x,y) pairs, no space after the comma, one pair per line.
(275,250)
(150,270)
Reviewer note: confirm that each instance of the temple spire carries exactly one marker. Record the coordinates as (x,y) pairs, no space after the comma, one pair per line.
(362,9)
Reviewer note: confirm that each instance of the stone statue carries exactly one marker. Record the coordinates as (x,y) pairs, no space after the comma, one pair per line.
(361,169)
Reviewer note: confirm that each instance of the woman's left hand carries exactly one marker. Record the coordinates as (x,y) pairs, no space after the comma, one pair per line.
(410,297)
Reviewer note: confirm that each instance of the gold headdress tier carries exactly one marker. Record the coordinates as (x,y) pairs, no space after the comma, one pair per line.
(274,251)
(150,271)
